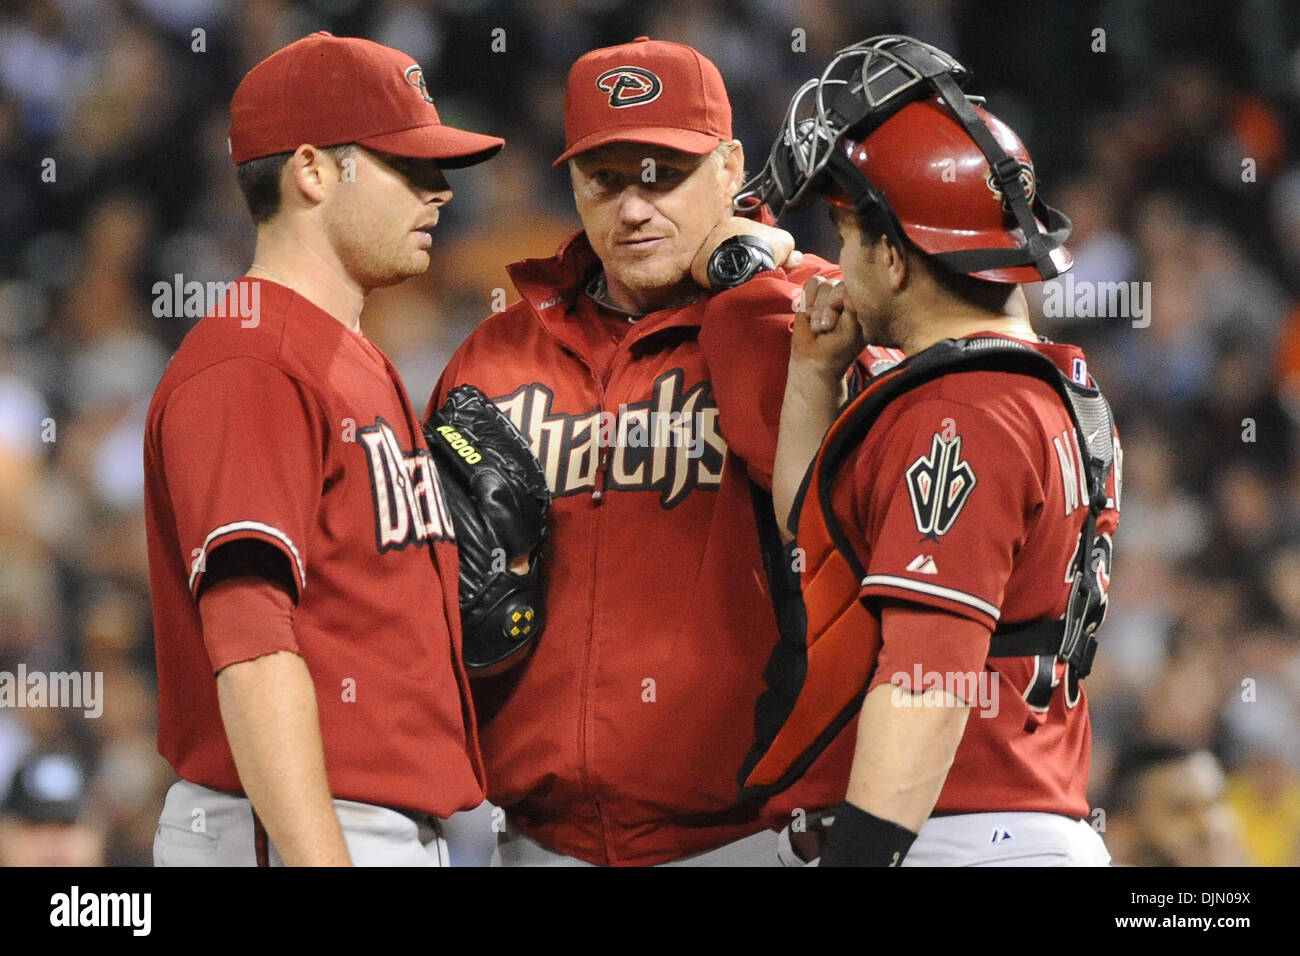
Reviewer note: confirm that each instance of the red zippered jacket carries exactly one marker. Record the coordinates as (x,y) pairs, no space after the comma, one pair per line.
(619,740)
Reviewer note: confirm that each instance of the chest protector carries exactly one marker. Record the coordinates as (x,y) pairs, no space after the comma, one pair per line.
(819,671)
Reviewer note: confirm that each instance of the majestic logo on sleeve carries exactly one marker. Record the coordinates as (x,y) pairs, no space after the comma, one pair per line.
(669,444)
(629,86)
(939,484)
(409,506)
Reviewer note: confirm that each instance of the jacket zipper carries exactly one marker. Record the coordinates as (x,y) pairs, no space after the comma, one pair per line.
(597,496)
(602,468)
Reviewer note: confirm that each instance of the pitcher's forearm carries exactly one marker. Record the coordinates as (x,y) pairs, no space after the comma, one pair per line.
(268,706)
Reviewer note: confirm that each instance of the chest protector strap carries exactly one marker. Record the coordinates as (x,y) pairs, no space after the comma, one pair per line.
(819,671)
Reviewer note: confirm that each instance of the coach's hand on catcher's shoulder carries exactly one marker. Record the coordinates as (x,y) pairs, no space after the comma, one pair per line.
(781,243)
(827,336)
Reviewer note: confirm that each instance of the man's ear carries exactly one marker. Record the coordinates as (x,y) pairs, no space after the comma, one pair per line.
(734,168)
(308,175)
(896,263)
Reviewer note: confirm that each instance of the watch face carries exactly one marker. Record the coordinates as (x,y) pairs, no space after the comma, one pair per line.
(733,262)
(737,260)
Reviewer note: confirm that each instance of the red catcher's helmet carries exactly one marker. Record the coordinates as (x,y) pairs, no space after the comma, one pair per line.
(887,131)
(942,192)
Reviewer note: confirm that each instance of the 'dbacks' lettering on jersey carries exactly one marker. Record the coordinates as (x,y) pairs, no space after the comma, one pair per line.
(670,443)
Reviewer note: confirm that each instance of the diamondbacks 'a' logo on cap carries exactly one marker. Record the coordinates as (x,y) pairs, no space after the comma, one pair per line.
(415,76)
(629,86)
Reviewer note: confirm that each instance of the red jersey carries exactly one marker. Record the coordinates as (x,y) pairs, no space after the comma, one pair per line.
(968,495)
(296,431)
(621,741)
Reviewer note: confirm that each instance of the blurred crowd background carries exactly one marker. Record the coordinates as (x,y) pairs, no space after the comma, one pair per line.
(1172,139)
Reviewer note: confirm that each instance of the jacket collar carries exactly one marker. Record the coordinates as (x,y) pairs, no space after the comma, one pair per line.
(551,287)
(548,283)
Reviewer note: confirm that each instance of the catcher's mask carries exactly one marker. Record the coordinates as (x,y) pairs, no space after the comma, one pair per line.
(887,132)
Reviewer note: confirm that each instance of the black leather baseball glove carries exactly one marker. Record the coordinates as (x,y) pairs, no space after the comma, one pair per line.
(499,502)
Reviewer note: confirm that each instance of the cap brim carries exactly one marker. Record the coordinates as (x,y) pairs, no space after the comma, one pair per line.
(453,148)
(686,140)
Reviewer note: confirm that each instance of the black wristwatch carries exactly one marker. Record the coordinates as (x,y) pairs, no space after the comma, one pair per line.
(737,260)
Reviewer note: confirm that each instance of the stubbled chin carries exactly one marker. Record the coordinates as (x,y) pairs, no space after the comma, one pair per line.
(647,275)
(413,267)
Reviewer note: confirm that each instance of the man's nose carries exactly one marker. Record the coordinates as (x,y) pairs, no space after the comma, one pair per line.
(439,197)
(634,207)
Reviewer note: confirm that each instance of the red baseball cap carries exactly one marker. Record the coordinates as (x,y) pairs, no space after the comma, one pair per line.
(647,91)
(327,91)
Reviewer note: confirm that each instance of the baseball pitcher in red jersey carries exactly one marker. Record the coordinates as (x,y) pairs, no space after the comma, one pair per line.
(645,362)
(954,530)
(300,548)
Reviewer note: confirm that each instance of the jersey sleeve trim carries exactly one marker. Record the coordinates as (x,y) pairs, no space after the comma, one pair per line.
(247,529)
(875,583)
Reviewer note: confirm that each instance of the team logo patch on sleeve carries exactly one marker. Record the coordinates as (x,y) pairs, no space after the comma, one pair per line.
(939,485)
